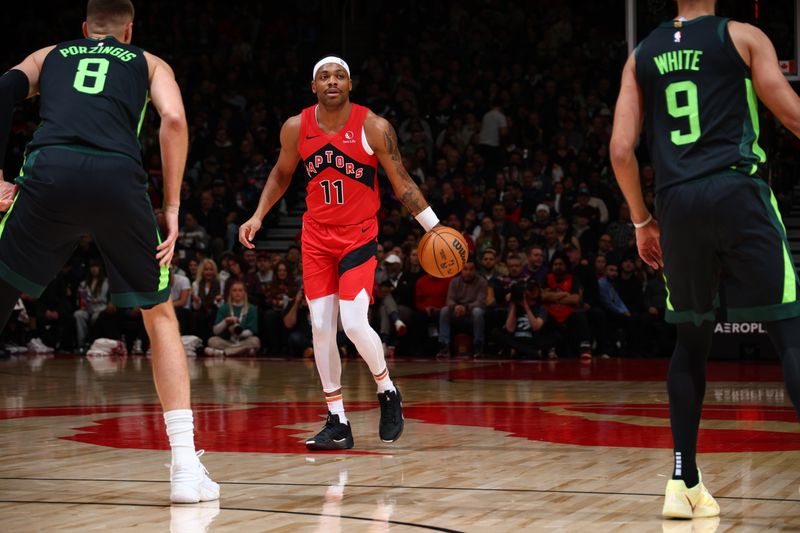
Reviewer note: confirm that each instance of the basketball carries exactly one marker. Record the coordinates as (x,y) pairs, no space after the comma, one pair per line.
(442,252)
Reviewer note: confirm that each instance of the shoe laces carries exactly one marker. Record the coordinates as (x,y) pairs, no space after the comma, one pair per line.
(199,454)
(386,406)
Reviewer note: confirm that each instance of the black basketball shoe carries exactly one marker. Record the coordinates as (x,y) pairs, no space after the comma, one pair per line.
(334,436)
(391,425)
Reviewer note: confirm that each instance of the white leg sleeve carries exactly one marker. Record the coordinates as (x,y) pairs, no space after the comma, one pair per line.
(358,330)
(324,319)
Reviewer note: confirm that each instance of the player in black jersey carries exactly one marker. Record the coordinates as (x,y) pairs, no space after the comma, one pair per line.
(83,174)
(693,83)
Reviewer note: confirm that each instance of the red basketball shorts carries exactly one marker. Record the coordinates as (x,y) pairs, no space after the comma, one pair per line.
(339,259)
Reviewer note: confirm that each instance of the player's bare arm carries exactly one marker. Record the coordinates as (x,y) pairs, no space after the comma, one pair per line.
(174,140)
(771,86)
(628,119)
(278,181)
(19,83)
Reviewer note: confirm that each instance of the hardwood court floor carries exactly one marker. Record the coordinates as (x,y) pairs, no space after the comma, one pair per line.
(488,446)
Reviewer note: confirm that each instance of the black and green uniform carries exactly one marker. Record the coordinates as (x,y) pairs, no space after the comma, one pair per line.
(722,236)
(83,174)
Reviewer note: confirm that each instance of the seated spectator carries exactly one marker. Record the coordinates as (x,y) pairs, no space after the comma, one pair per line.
(192,236)
(487,236)
(180,291)
(565,234)
(430,296)
(236,272)
(466,300)
(583,207)
(587,237)
(622,232)
(297,321)
(55,326)
(206,297)
(236,327)
(277,296)
(391,324)
(524,333)
(537,267)
(562,296)
(92,301)
(259,278)
(551,243)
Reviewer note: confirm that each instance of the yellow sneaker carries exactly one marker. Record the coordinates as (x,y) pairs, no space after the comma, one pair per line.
(681,502)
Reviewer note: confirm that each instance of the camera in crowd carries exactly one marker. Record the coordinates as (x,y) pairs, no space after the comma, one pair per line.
(237,329)
(520,291)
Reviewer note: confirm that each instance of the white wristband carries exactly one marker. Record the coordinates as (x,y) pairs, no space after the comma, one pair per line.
(427,218)
(640,225)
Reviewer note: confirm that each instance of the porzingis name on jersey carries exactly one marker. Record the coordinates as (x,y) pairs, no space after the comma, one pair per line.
(678,60)
(119,53)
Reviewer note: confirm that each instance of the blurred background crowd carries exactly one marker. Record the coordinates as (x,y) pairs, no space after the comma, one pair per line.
(503,110)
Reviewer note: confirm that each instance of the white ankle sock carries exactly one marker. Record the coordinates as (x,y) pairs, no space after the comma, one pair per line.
(384,382)
(336,407)
(180,430)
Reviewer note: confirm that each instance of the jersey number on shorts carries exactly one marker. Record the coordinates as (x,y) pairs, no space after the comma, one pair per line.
(91,75)
(686,91)
(326,188)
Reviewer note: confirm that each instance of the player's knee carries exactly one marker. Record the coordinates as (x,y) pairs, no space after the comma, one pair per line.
(318,323)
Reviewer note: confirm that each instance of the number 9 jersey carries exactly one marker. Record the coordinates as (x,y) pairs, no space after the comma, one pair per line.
(94,94)
(700,106)
(341,168)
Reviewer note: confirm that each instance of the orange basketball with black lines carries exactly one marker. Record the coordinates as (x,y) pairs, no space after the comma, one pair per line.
(442,252)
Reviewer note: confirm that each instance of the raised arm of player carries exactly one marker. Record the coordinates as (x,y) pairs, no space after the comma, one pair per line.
(174,139)
(771,86)
(279,178)
(16,85)
(628,119)
(383,141)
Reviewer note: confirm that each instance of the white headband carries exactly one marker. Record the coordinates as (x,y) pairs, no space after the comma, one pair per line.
(329,59)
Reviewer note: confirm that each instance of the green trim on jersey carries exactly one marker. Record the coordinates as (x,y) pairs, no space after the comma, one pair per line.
(752,106)
(140,299)
(789,274)
(666,286)
(27,165)
(141,115)
(20,282)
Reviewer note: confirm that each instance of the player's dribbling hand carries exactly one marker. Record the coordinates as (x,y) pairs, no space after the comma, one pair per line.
(647,241)
(247,232)
(167,248)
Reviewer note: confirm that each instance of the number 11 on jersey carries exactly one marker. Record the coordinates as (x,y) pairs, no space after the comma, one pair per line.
(326,188)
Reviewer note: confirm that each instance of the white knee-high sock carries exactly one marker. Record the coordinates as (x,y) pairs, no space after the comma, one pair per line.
(324,320)
(180,430)
(356,326)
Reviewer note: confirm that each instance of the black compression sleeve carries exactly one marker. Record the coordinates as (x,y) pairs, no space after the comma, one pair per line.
(13,89)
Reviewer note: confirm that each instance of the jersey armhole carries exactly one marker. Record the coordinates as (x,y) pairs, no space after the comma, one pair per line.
(365,143)
(730,48)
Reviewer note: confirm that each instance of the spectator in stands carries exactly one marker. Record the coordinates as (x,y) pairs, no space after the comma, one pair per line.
(630,285)
(466,300)
(494,127)
(92,301)
(181,296)
(206,297)
(430,296)
(297,321)
(487,236)
(55,326)
(536,267)
(192,237)
(523,333)
(562,296)
(622,230)
(236,325)
(551,243)
(565,233)
(278,295)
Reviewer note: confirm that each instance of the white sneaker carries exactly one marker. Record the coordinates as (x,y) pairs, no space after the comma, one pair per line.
(36,345)
(191,484)
(214,352)
(400,327)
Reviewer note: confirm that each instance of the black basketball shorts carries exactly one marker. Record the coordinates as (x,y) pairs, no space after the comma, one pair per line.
(67,191)
(725,248)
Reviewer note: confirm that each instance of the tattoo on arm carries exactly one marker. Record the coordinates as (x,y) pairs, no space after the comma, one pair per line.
(407,190)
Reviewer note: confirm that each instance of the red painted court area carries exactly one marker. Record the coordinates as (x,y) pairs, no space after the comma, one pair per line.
(261,427)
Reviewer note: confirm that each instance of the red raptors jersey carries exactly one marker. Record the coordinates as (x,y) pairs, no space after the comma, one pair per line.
(342,176)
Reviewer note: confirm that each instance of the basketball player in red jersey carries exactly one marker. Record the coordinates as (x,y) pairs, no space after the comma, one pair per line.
(341,144)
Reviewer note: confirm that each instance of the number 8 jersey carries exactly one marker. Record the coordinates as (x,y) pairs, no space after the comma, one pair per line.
(341,169)
(700,105)
(94,94)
